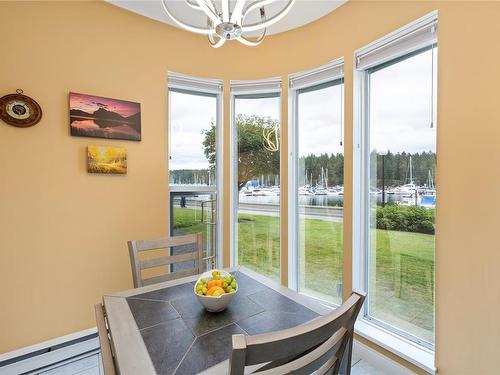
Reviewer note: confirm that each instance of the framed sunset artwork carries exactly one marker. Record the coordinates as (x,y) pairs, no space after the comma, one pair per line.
(96,116)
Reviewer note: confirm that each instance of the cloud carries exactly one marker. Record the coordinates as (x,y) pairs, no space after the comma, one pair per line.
(400,106)
(190,115)
(400,115)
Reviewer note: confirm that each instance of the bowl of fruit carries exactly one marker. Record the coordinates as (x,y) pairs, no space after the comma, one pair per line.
(215,289)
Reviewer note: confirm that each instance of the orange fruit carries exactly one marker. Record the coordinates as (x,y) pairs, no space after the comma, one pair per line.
(213,289)
(213,283)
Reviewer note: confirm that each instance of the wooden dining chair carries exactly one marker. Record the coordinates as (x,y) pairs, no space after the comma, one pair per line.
(138,265)
(104,341)
(319,346)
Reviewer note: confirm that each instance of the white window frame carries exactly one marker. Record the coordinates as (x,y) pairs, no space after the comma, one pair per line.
(240,89)
(332,71)
(212,87)
(404,41)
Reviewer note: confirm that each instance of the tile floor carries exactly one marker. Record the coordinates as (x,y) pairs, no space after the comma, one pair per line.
(90,365)
(361,367)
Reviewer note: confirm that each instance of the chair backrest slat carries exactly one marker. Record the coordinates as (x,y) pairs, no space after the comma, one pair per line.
(160,243)
(294,341)
(104,341)
(164,261)
(165,243)
(170,276)
(312,361)
(310,345)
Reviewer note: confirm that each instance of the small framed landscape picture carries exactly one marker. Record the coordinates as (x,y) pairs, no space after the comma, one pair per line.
(95,116)
(106,159)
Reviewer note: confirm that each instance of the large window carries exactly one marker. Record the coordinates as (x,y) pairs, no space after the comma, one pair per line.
(398,187)
(256,126)
(193,161)
(320,190)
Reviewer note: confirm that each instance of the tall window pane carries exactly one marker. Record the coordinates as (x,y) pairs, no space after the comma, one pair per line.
(402,138)
(320,191)
(192,170)
(257,123)
(192,138)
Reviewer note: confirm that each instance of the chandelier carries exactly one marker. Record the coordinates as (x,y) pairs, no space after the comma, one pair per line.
(224,23)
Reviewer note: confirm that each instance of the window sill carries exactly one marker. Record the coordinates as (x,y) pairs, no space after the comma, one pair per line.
(409,351)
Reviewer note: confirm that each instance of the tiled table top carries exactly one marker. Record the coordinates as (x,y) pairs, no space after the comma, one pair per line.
(181,337)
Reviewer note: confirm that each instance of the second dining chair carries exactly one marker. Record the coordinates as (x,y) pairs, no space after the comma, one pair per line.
(319,346)
(140,246)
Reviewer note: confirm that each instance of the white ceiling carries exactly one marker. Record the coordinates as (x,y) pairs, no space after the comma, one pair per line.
(303,12)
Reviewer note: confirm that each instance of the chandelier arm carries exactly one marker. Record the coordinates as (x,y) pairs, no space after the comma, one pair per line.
(269,21)
(252,43)
(237,11)
(208,9)
(253,6)
(193,5)
(260,38)
(211,37)
(271,144)
(211,5)
(197,7)
(194,29)
(215,44)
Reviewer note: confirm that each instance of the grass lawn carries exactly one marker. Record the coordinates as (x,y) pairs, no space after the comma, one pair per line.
(401,289)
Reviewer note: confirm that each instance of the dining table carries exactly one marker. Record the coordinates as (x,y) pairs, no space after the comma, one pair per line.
(164,329)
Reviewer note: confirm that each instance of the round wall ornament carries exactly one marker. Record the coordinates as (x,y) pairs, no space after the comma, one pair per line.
(20,110)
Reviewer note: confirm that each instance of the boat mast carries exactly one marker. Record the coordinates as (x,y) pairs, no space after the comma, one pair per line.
(413,183)
(411,172)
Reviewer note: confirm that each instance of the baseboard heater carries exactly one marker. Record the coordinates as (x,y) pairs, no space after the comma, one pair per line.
(50,354)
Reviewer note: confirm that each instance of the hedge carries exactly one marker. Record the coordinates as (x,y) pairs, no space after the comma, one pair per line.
(406,218)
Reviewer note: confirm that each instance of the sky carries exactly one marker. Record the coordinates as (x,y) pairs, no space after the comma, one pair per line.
(189,116)
(90,104)
(400,106)
(400,115)
(319,119)
(268,107)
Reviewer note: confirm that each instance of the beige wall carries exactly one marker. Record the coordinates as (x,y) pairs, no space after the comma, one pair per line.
(63,232)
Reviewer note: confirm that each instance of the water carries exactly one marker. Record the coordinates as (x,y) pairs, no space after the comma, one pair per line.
(317,200)
(304,200)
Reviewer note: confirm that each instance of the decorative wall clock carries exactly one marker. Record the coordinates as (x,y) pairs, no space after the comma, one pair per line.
(20,110)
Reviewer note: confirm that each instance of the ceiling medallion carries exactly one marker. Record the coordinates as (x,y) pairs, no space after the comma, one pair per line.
(229,24)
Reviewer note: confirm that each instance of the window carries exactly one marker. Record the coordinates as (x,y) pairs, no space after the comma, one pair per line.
(317,182)
(193,160)
(256,128)
(397,179)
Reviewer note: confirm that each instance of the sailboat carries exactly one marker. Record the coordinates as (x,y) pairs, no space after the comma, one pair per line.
(430,189)
(410,188)
(409,191)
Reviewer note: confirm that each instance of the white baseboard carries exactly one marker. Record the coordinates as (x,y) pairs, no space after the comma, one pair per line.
(379,361)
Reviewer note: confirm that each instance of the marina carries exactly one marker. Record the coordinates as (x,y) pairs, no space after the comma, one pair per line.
(421,196)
